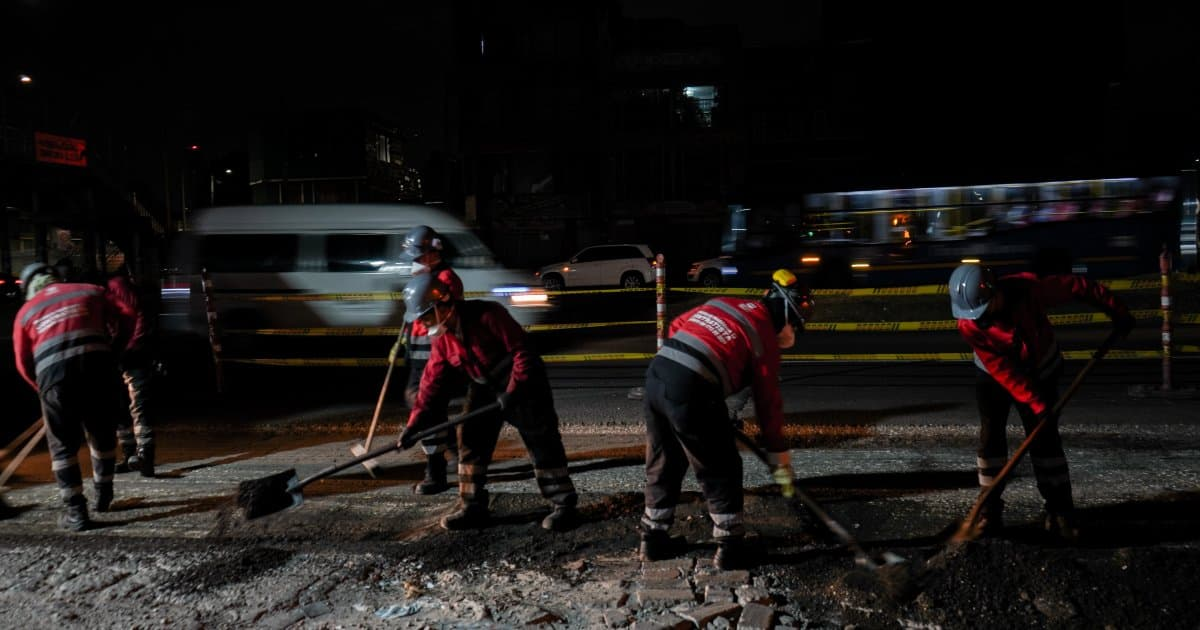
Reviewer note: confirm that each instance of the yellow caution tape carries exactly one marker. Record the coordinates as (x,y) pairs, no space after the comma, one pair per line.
(645,289)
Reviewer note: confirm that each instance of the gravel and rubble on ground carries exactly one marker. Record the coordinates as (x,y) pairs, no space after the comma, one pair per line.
(367,552)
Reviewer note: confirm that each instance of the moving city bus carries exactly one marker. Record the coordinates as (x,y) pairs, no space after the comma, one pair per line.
(1107,228)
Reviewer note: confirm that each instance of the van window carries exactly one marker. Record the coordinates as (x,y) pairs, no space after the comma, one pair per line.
(465,250)
(250,253)
(355,252)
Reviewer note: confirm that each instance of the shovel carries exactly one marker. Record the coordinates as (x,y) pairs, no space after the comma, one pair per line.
(861,557)
(362,449)
(278,492)
(967,530)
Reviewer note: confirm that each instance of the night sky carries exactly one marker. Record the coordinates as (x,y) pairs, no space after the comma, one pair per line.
(995,83)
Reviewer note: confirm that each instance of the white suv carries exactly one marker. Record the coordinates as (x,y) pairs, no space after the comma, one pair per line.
(626,266)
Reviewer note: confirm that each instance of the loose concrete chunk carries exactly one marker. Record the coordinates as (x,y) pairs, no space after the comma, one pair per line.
(617,617)
(317,609)
(757,617)
(717,594)
(665,621)
(752,595)
(664,597)
(1055,609)
(703,615)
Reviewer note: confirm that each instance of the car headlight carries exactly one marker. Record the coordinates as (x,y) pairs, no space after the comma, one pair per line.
(521,296)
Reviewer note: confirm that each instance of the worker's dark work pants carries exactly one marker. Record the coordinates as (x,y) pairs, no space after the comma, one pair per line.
(534,417)
(136,431)
(1046,452)
(687,422)
(69,408)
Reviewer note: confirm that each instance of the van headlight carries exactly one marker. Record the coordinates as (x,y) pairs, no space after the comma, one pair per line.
(521,296)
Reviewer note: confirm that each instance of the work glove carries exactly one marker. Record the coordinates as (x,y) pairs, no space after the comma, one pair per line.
(784,476)
(396,353)
(1123,325)
(781,472)
(408,437)
(506,400)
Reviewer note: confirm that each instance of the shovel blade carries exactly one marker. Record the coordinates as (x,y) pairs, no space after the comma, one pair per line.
(371,464)
(268,495)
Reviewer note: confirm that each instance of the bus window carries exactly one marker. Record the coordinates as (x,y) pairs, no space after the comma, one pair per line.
(355,252)
(250,253)
(464,249)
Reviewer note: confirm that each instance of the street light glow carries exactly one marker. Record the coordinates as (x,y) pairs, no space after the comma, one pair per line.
(25,79)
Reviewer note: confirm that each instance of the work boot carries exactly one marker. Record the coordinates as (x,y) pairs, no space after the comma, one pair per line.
(467,516)
(104,496)
(732,554)
(659,545)
(435,476)
(129,463)
(1061,527)
(75,519)
(145,460)
(563,518)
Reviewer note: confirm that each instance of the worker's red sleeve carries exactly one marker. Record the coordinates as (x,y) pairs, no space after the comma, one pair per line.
(128,320)
(1059,289)
(23,351)
(768,401)
(513,338)
(1001,367)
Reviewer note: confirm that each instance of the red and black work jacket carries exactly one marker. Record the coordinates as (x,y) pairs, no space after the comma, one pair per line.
(418,344)
(731,343)
(124,296)
(64,331)
(485,335)
(1016,345)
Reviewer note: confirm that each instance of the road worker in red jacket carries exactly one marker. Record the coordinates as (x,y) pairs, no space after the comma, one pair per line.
(478,342)
(63,345)
(425,247)
(135,433)
(1019,362)
(713,351)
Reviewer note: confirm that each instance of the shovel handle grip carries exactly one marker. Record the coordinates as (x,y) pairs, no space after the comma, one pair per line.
(395,446)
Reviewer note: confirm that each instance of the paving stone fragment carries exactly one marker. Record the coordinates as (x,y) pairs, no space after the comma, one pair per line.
(757,617)
(717,594)
(682,565)
(665,585)
(651,597)
(728,579)
(752,595)
(703,615)
(661,574)
(317,609)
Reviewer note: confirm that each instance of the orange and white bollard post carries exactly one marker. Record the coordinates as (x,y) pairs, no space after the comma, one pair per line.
(1167,389)
(214,336)
(1164,269)
(660,300)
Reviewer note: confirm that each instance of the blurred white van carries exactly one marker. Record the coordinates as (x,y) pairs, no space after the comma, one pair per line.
(297,250)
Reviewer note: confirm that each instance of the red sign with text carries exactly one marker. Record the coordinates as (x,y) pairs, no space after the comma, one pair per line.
(59,149)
